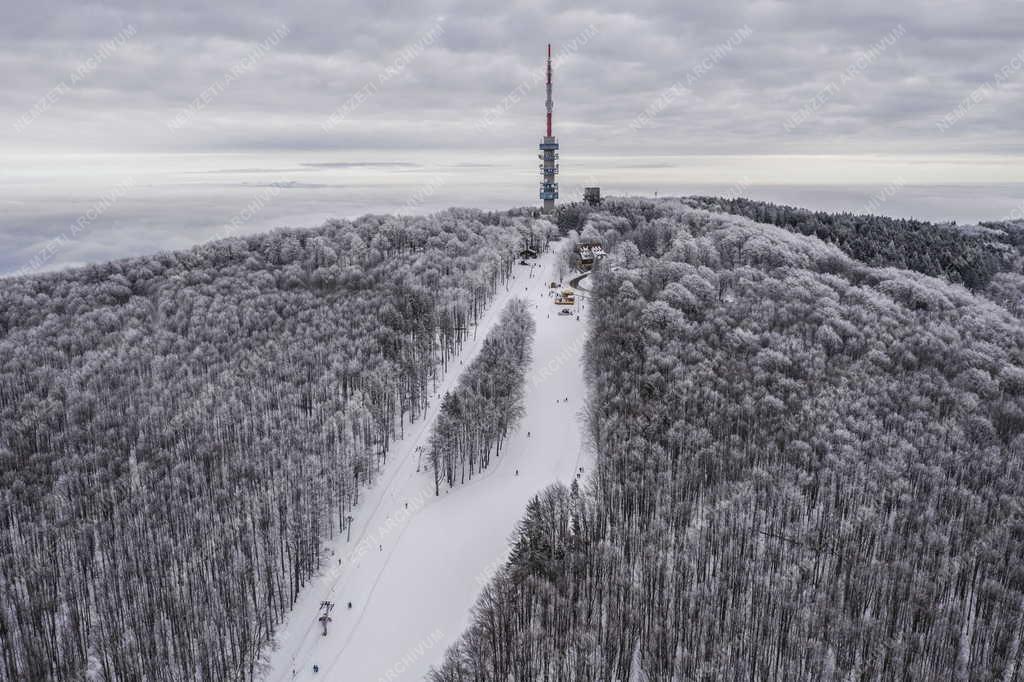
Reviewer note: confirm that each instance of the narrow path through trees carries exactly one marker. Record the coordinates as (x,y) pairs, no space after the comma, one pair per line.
(417,562)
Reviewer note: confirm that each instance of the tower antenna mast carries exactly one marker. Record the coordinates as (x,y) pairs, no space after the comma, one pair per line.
(549,154)
(550,103)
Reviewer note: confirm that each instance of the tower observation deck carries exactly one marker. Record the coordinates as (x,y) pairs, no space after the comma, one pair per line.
(549,155)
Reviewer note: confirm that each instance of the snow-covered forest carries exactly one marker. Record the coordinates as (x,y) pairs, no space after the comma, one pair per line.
(809,442)
(808,468)
(969,255)
(475,417)
(179,432)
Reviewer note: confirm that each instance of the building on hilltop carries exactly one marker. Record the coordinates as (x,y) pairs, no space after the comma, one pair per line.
(588,252)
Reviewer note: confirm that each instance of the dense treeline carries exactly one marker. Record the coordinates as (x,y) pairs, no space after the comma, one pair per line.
(1007,289)
(966,255)
(808,469)
(179,432)
(475,417)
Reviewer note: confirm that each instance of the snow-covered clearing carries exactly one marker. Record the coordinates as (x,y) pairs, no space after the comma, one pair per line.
(416,563)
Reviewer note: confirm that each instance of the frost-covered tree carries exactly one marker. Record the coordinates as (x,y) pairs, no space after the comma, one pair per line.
(807,468)
(476,417)
(178,433)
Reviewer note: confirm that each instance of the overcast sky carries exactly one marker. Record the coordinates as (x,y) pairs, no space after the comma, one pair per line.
(384,106)
(298,62)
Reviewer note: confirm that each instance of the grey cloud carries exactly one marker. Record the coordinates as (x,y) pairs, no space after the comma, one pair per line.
(290,184)
(241,171)
(361,164)
(489,50)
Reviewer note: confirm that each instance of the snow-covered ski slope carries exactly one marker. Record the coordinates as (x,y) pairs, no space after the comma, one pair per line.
(412,573)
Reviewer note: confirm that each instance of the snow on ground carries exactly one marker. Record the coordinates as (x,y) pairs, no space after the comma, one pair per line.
(416,563)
